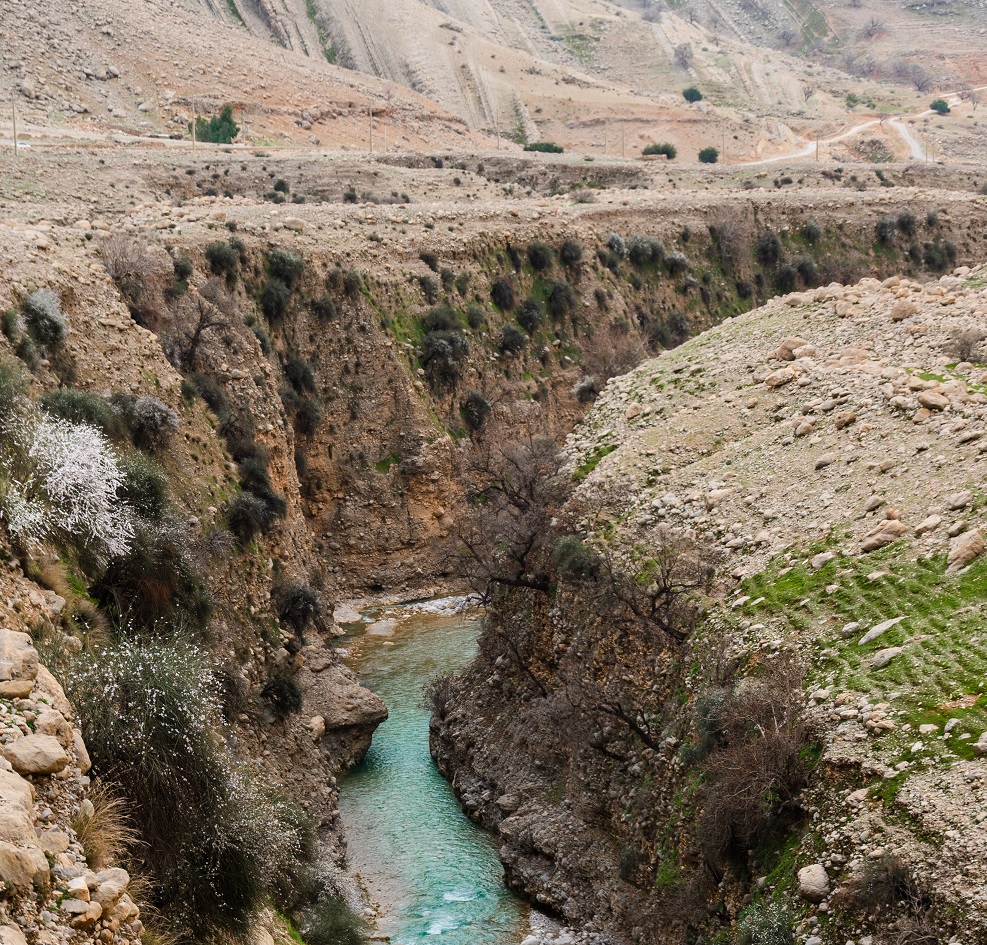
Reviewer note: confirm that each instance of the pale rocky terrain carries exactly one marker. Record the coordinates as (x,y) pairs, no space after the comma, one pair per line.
(839,434)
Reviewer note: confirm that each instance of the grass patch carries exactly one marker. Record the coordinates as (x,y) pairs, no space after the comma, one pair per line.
(594,460)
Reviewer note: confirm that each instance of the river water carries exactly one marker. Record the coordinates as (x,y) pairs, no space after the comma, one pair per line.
(431,872)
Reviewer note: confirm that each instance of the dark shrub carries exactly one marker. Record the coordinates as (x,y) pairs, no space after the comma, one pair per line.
(545,147)
(210,390)
(767,249)
(709,155)
(885,230)
(223,260)
(788,277)
(529,315)
(587,389)
(283,694)
(512,339)
(475,410)
(692,94)
(540,256)
(502,295)
(81,406)
(812,232)
(275,299)
(907,223)
(12,386)
(668,150)
(448,279)
(475,316)
(442,354)
(247,516)
(324,308)
(300,373)
(808,270)
(644,251)
(352,283)
(332,922)
(429,287)
(571,252)
(430,260)
(940,255)
(308,416)
(285,266)
(441,318)
(561,299)
(299,605)
(766,923)
(676,263)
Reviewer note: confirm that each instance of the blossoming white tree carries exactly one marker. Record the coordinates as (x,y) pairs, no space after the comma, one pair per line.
(60,482)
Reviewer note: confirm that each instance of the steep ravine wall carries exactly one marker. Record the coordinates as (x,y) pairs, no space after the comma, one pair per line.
(361,443)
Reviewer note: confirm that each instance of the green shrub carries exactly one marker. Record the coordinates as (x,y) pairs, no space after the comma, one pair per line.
(644,251)
(332,922)
(223,260)
(561,299)
(787,278)
(211,391)
(158,580)
(587,389)
(300,373)
(808,270)
(475,411)
(766,924)
(907,223)
(676,263)
(219,129)
(574,560)
(545,147)
(45,321)
(941,106)
(10,325)
(12,386)
(281,186)
(216,846)
(571,252)
(540,256)
(502,294)
(709,155)
(448,279)
(512,339)
(529,315)
(430,259)
(667,149)
(285,266)
(275,299)
(145,487)
(441,318)
(692,94)
(767,249)
(81,406)
(476,317)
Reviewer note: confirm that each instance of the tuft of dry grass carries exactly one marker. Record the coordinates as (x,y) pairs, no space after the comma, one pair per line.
(106,834)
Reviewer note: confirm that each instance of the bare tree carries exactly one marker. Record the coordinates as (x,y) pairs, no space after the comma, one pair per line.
(684,55)
(808,91)
(874,28)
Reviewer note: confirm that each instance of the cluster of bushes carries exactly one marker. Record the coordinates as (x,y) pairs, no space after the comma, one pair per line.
(39,329)
(284,270)
(218,847)
(666,149)
(545,147)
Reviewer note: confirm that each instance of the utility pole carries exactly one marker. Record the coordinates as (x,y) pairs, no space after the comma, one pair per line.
(371,129)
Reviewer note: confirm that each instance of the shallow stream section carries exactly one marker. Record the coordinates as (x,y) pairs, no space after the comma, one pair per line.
(431,874)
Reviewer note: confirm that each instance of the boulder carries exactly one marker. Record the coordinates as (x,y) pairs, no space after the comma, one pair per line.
(813,883)
(36,754)
(958,500)
(878,629)
(11,935)
(933,401)
(883,657)
(20,865)
(963,549)
(886,532)
(18,664)
(111,884)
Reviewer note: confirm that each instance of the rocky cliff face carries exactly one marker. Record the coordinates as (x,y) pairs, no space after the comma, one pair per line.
(826,450)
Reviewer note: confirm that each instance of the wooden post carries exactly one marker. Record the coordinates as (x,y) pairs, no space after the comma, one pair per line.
(623,142)
(193,122)
(13,115)
(606,129)
(371,129)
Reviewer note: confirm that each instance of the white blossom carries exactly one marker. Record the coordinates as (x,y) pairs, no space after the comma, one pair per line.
(61,481)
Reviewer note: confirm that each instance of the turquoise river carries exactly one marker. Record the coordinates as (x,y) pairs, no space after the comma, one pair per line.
(433,875)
